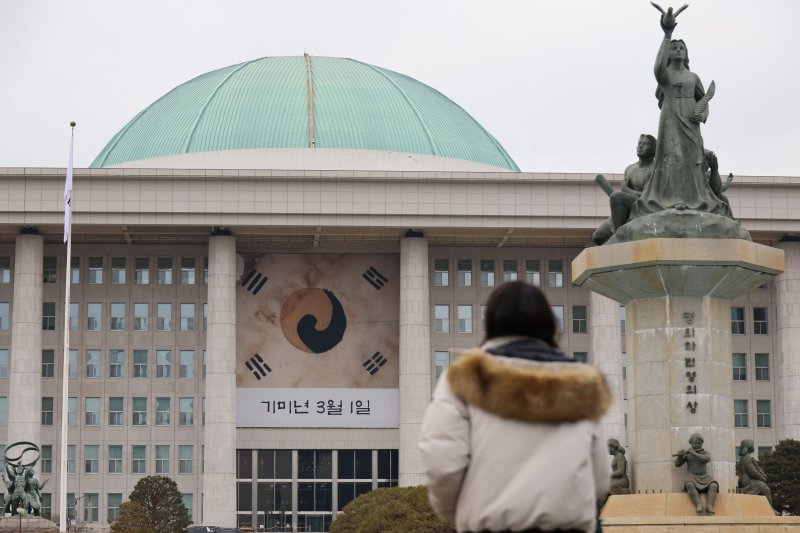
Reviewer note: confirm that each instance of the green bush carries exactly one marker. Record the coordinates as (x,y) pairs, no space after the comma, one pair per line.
(395,510)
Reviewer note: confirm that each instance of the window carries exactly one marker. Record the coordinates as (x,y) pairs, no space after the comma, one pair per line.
(49,267)
(71,501)
(92,363)
(73,364)
(582,357)
(116,363)
(164,317)
(186,364)
(140,317)
(355,475)
(165,271)
(763,416)
(5,270)
(441,318)
(75,270)
(91,507)
(205,317)
(186,411)
(205,270)
(140,363)
(185,459)
(72,411)
(114,500)
(116,414)
(740,413)
(47,410)
(188,500)
(163,363)
(70,464)
(314,465)
(579,319)
(46,462)
(4,411)
(464,274)
(162,411)
(464,318)
(533,272)
(140,411)
(91,459)
(94,316)
(4,363)
(47,505)
(483,319)
(623,316)
(92,411)
(114,459)
(187,270)
(142,274)
(737,320)
(118,271)
(95,270)
(624,365)
(762,367)
(759,321)
(739,367)
(442,362)
(509,270)
(558,311)
(138,459)
(764,450)
(49,316)
(187,317)
(162,459)
(487,272)
(555,275)
(387,468)
(74,316)
(48,363)
(204,363)
(117,317)
(441,272)
(4,316)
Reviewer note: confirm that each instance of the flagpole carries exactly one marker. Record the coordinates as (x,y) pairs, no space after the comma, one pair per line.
(62,493)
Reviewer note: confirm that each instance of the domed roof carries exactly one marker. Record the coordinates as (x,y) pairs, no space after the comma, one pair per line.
(303,102)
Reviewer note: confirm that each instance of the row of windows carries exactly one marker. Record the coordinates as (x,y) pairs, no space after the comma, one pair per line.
(90,502)
(117,312)
(119,270)
(760,322)
(487,270)
(464,314)
(139,409)
(761,366)
(741,413)
(117,364)
(115,461)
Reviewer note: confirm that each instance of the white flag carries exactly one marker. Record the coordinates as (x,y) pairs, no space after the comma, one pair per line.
(68,193)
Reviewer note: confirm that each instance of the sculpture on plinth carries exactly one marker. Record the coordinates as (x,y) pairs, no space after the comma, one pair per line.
(696,460)
(752,479)
(24,489)
(620,484)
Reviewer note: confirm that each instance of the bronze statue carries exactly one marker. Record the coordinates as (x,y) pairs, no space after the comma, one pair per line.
(752,479)
(24,490)
(696,460)
(619,469)
(622,201)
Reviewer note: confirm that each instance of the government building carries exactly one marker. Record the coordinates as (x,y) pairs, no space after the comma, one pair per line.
(273,263)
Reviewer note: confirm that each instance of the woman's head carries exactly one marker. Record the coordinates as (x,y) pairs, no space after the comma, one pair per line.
(678,51)
(518,308)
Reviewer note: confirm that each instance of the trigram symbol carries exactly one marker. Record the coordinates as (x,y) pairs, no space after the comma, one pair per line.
(258,367)
(375,278)
(254,281)
(374,363)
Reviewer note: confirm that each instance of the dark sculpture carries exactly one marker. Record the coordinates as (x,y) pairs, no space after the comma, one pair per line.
(622,201)
(24,490)
(696,460)
(619,469)
(752,479)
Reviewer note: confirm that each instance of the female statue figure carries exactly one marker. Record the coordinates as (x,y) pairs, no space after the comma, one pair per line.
(619,469)
(678,180)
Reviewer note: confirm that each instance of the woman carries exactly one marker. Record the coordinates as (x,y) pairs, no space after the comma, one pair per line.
(619,469)
(678,179)
(510,441)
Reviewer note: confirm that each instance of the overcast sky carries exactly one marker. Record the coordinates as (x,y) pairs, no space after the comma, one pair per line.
(565,86)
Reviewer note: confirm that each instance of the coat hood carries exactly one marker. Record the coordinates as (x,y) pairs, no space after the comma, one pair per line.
(539,392)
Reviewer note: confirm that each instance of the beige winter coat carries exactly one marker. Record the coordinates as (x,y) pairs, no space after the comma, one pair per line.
(511,444)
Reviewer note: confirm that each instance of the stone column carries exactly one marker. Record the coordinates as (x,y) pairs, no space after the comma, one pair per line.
(219,476)
(679,383)
(787,365)
(25,365)
(607,357)
(415,352)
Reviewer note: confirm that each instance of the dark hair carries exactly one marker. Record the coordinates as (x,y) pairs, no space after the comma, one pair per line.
(518,308)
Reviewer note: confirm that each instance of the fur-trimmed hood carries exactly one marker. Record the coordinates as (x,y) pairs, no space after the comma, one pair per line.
(546,393)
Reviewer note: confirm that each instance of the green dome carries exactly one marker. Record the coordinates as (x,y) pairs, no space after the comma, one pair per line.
(275,102)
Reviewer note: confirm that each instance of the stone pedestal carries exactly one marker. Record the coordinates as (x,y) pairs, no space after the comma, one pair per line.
(677,293)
